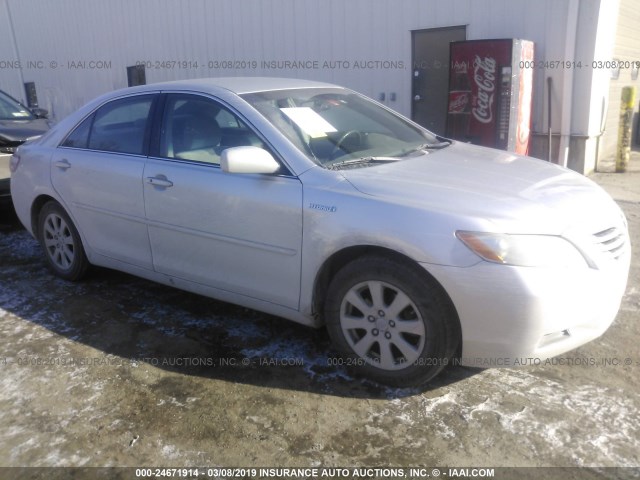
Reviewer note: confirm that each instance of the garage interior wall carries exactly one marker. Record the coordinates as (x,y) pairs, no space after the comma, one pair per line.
(89,55)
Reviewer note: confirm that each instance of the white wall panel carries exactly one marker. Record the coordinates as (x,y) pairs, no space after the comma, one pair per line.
(122,32)
(10,74)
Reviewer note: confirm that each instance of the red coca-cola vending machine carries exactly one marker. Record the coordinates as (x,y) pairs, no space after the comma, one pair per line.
(490,88)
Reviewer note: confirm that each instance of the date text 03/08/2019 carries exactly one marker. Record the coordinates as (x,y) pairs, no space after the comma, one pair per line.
(578,64)
(314,472)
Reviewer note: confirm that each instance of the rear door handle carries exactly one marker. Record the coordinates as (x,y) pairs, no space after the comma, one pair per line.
(63,164)
(160,181)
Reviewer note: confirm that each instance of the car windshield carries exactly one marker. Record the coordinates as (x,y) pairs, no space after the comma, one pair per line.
(338,128)
(12,110)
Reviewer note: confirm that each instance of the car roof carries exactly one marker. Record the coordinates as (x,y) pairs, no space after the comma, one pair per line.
(237,85)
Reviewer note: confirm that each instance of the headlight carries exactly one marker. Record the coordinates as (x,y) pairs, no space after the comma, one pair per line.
(7,149)
(13,162)
(523,250)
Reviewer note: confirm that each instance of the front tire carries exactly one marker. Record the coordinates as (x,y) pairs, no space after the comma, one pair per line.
(390,321)
(61,243)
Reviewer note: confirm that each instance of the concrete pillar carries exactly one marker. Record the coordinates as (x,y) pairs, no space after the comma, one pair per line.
(625,128)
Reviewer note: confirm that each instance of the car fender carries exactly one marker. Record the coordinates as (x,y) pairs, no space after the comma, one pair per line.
(336,220)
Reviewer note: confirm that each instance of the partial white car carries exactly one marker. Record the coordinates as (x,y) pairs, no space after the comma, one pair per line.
(309,201)
(17,125)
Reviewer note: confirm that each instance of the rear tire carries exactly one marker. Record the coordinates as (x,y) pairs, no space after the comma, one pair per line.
(390,321)
(61,243)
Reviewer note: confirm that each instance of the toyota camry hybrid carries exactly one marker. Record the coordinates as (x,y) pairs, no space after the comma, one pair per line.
(311,202)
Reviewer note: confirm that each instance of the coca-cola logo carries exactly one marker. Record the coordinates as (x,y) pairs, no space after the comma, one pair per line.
(484,76)
(458,102)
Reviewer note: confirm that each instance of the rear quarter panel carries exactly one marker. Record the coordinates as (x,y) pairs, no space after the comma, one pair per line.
(30,180)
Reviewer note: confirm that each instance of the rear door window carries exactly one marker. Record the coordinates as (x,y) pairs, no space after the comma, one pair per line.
(120,126)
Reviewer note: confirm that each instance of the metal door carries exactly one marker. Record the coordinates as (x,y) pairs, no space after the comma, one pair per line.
(431,75)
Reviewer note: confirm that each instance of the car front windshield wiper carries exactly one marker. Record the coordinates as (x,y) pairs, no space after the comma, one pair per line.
(433,146)
(436,146)
(426,147)
(357,162)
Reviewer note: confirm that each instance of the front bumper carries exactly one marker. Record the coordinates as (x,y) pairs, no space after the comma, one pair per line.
(5,177)
(522,315)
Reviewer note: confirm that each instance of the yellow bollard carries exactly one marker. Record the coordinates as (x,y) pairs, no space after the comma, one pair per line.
(624,128)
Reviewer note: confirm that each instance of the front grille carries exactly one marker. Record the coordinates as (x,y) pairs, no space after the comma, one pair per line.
(612,242)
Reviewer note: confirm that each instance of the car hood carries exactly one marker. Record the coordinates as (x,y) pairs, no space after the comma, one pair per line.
(15,131)
(491,189)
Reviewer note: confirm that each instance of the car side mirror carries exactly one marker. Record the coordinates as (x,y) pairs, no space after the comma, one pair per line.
(248,160)
(40,112)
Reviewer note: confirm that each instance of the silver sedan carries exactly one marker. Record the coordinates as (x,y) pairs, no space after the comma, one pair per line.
(312,202)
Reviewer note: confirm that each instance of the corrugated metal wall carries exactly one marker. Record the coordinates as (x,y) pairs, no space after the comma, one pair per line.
(10,71)
(121,32)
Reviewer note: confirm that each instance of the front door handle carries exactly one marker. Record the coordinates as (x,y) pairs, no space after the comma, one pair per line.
(63,164)
(160,181)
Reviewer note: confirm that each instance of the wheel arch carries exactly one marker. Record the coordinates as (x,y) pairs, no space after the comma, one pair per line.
(63,248)
(36,206)
(339,259)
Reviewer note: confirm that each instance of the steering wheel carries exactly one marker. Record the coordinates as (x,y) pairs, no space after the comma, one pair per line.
(341,140)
